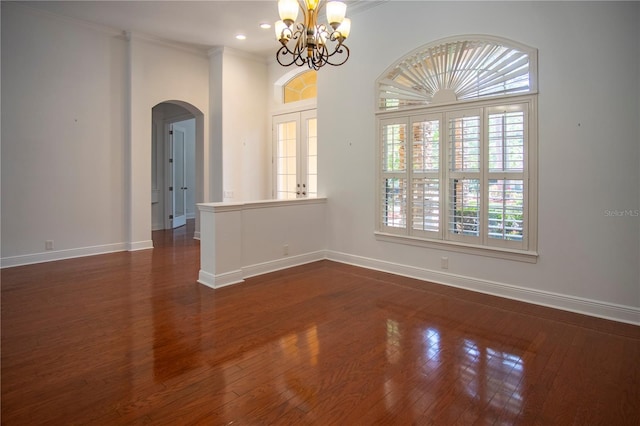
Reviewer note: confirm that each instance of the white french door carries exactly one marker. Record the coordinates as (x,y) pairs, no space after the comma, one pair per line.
(295,155)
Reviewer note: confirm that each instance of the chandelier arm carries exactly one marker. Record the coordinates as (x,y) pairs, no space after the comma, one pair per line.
(342,49)
(284,52)
(300,49)
(322,55)
(298,35)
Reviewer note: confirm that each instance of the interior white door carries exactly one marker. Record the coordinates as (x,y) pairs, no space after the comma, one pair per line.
(179,177)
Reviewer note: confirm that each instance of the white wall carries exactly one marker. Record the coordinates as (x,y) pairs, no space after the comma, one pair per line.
(588,148)
(241,110)
(63,139)
(76,133)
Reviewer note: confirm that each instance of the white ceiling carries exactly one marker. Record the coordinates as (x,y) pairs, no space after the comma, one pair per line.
(203,24)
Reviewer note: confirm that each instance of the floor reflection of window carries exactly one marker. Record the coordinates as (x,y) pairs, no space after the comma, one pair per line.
(492,377)
(431,339)
(311,336)
(504,373)
(302,349)
(393,341)
(469,368)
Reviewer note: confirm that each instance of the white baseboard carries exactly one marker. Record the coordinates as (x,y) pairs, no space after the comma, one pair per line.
(220,280)
(611,311)
(140,245)
(50,256)
(284,263)
(238,276)
(196,235)
(205,278)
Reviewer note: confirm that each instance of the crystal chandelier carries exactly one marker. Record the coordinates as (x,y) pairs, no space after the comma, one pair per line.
(310,42)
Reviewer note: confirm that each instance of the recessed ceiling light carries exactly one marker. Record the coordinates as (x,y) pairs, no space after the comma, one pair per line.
(241,37)
(265,26)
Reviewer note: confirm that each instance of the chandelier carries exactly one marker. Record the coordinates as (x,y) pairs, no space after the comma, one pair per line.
(310,42)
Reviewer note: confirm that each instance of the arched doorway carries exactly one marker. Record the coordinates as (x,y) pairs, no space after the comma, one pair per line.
(177,168)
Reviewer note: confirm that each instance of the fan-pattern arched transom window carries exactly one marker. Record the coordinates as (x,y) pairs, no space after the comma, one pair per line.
(458,69)
(302,86)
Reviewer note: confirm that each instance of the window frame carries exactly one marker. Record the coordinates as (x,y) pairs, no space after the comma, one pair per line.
(527,252)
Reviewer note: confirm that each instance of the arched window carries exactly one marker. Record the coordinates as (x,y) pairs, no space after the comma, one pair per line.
(457,137)
(458,69)
(301,87)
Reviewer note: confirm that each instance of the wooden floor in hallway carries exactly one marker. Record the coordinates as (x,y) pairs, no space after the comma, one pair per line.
(131,338)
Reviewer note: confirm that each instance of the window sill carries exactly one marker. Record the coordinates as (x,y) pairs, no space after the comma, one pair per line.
(499,253)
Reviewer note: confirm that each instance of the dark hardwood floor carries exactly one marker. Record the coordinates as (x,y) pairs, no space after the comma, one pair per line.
(131,338)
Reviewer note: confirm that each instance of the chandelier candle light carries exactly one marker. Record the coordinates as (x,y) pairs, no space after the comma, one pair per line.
(309,42)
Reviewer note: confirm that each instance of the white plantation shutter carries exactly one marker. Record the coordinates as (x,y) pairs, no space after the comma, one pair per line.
(395,205)
(394,167)
(506,176)
(506,211)
(425,175)
(425,194)
(464,141)
(458,172)
(506,141)
(464,209)
(464,201)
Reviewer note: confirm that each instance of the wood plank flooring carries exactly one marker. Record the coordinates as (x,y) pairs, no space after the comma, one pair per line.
(131,338)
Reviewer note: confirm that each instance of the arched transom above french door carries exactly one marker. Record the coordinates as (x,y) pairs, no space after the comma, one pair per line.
(457,69)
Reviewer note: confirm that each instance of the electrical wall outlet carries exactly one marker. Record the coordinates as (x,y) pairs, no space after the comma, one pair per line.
(48,245)
(444,262)
(285,250)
